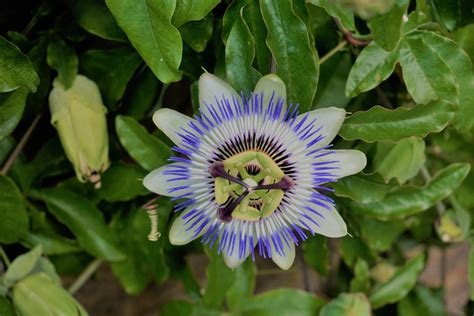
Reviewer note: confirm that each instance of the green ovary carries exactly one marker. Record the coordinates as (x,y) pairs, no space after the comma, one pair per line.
(253,168)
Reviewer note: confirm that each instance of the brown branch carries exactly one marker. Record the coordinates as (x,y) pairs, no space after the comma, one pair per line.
(19,148)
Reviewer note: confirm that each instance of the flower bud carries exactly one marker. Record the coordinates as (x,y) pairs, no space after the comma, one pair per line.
(38,294)
(79,117)
(448,227)
(382,272)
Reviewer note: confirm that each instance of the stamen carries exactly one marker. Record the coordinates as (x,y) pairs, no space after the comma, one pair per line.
(284,184)
(225,213)
(217,169)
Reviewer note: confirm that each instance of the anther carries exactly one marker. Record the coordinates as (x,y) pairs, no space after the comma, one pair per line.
(225,213)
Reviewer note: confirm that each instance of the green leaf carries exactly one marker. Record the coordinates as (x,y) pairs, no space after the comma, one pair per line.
(85,221)
(147,150)
(409,200)
(378,124)
(337,10)
(156,258)
(402,160)
(50,159)
(463,36)
(38,56)
(426,74)
(239,55)
(386,29)
(95,18)
(149,29)
(101,67)
(6,307)
(454,224)
(316,253)
(176,307)
(435,67)
(12,105)
(192,10)
(14,223)
(49,297)
(362,188)
(243,286)
(122,182)
(422,17)
(333,78)
(146,258)
(219,280)
(373,65)
(360,282)
(347,304)
(16,69)
(454,14)
(366,9)
(254,19)
(380,235)
(197,33)
(399,285)
(6,146)
(296,60)
(17,38)
(460,67)
(422,301)
(63,59)
(352,248)
(51,243)
(22,266)
(281,302)
(141,95)
(231,14)
(45,266)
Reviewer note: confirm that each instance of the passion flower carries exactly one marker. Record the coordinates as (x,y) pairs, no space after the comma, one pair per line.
(250,172)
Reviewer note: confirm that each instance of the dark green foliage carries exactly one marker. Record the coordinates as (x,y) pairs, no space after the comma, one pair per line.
(402,70)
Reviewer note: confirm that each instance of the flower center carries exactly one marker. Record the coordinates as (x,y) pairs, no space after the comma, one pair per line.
(249,186)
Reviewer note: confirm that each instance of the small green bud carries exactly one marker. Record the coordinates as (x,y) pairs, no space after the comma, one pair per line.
(39,295)
(79,117)
(448,228)
(382,272)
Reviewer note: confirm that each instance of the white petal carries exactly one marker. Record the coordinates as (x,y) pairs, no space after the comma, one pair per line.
(330,223)
(333,225)
(284,262)
(330,119)
(212,87)
(233,260)
(170,122)
(271,85)
(178,235)
(160,183)
(349,162)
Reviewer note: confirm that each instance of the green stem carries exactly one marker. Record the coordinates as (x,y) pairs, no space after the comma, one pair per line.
(332,52)
(84,276)
(305,273)
(159,103)
(33,20)
(4,257)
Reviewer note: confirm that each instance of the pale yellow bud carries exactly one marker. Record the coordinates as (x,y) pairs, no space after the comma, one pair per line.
(448,227)
(79,117)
